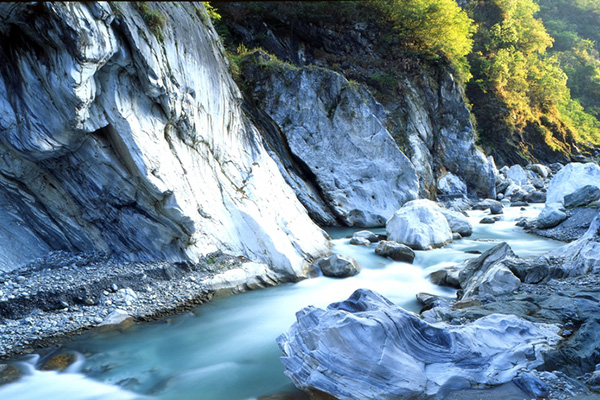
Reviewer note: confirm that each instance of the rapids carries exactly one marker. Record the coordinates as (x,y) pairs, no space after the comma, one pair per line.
(226,350)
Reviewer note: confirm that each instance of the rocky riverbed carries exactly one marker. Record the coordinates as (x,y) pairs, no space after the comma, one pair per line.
(65,293)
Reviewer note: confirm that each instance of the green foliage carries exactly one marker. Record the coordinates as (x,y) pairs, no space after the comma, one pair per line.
(154,20)
(433,27)
(575,25)
(511,65)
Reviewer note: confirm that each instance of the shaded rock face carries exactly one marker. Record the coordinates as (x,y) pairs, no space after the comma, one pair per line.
(582,196)
(337,131)
(389,353)
(458,222)
(115,141)
(337,266)
(420,225)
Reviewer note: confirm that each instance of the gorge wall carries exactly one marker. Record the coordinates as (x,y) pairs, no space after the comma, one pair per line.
(122,134)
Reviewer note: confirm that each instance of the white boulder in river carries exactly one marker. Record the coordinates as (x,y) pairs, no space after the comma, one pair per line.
(570,178)
(367,348)
(114,140)
(420,225)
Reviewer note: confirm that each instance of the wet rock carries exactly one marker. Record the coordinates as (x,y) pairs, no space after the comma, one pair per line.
(395,251)
(581,256)
(487,220)
(370,236)
(338,266)
(9,373)
(532,385)
(447,276)
(572,228)
(536,196)
(117,320)
(552,215)
(528,270)
(496,208)
(420,225)
(487,203)
(359,241)
(458,222)
(59,362)
(487,274)
(451,185)
(571,178)
(387,353)
(582,196)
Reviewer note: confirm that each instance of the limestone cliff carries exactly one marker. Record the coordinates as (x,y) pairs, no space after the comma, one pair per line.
(121,131)
(420,105)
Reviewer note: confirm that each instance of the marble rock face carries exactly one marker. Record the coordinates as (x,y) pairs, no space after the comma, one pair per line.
(420,225)
(338,132)
(114,140)
(368,348)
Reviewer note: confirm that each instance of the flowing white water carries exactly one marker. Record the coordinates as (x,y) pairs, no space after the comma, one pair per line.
(226,350)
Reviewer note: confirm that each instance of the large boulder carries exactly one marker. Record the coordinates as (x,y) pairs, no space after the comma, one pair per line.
(540,169)
(395,251)
(582,196)
(571,177)
(581,256)
(420,225)
(451,186)
(458,222)
(368,348)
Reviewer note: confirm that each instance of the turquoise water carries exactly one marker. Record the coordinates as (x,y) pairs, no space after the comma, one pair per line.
(226,350)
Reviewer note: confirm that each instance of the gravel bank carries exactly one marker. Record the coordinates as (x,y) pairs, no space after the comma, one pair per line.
(65,293)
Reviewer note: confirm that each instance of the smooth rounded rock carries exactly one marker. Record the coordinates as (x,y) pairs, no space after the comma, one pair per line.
(458,222)
(359,241)
(395,251)
(9,373)
(370,236)
(420,225)
(338,266)
(552,215)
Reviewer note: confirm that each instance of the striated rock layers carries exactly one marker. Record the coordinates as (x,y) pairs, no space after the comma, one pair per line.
(368,348)
(127,137)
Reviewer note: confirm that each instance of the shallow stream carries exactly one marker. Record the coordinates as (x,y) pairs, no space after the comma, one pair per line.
(226,350)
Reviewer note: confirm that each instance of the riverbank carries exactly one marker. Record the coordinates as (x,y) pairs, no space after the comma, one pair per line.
(67,293)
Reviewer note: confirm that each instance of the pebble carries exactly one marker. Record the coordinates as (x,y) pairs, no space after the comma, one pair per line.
(89,278)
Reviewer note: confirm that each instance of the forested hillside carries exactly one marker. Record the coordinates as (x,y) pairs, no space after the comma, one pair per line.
(530,68)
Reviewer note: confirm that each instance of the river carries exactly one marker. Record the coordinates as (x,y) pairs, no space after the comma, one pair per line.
(226,350)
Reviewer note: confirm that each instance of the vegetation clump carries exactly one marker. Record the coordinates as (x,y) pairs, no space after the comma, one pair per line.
(154,19)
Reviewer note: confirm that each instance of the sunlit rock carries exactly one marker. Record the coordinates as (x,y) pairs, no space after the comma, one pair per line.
(420,225)
(571,177)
